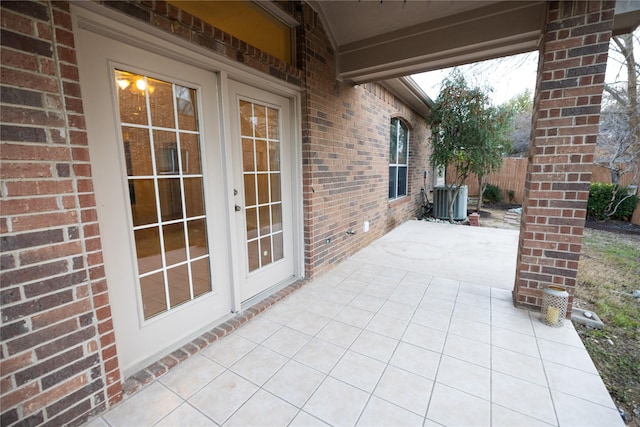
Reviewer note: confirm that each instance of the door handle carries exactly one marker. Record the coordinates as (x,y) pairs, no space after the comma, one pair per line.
(235,192)
(238,208)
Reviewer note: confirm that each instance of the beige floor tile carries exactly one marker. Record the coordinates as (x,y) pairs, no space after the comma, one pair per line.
(518,365)
(258,330)
(191,376)
(407,296)
(294,383)
(378,290)
(465,376)
(287,341)
(437,305)
(358,370)
(367,302)
(515,341)
(564,335)
(337,403)
(567,355)
(223,396)
(386,325)
(442,282)
(405,389)
(281,313)
(375,345)
(573,411)
(186,415)
(578,383)
(444,293)
(416,359)
(229,349)
(468,350)
(145,408)
(471,313)
(512,321)
(259,365)
(320,355)
(308,323)
(302,298)
(470,329)
(339,295)
(354,284)
(502,294)
(522,396)
(354,316)
(263,409)
(503,417)
(379,412)
(475,289)
(431,319)
(474,301)
(305,420)
(397,310)
(364,276)
(414,276)
(447,403)
(429,338)
(339,333)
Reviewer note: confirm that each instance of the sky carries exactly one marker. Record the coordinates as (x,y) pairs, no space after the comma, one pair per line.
(508,76)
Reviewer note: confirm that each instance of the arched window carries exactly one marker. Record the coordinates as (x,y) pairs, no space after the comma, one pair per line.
(398,159)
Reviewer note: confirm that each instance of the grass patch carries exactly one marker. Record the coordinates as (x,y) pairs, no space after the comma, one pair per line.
(609,272)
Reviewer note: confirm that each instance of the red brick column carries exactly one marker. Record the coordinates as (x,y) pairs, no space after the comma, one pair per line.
(569,89)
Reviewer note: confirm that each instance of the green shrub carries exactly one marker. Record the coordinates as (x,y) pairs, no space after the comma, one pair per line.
(599,198)
(492,194)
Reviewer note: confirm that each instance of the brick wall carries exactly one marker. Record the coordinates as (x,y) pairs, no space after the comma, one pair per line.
(566,113)
(346,133)
(58,352)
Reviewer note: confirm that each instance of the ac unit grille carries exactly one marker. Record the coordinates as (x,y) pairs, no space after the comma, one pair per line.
(441,202)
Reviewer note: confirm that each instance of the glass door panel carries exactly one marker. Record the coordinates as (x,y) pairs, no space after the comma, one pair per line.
(161,142)
(259,132)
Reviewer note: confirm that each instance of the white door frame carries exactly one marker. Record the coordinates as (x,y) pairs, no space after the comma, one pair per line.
(112,24)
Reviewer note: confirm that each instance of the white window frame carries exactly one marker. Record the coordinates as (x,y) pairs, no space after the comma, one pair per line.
(398,122)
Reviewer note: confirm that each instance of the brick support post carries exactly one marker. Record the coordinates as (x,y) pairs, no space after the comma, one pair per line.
(571,72)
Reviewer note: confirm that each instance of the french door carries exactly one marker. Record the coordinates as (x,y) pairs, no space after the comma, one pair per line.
(157,159)
(261,136)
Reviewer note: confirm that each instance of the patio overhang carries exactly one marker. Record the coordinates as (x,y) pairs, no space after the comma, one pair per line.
(378,41)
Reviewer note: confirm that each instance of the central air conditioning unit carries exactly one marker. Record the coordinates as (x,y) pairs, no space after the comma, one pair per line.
(441,202)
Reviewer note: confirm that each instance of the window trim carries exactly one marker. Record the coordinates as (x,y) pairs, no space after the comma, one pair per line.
(398,122)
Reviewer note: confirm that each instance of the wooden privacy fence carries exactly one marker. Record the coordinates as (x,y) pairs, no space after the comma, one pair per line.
(512,177)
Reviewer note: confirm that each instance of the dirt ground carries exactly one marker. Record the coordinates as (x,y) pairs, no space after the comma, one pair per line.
(609,272)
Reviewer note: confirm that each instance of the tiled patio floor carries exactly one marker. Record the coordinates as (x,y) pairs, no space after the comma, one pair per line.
(372,345)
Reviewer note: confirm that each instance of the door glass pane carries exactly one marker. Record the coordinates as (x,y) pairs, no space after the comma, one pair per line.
(197,232)
(148,249)
(142,195)
(186,106)
(137,151)
(154,299)
(167,201)
(170,198)
(263,188)
(259,127)
(178,285)
(190,154)
(161,103)
(248,164)
(131,97)
(265,251)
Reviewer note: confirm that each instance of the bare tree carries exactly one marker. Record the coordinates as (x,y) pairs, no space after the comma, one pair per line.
(619,136)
